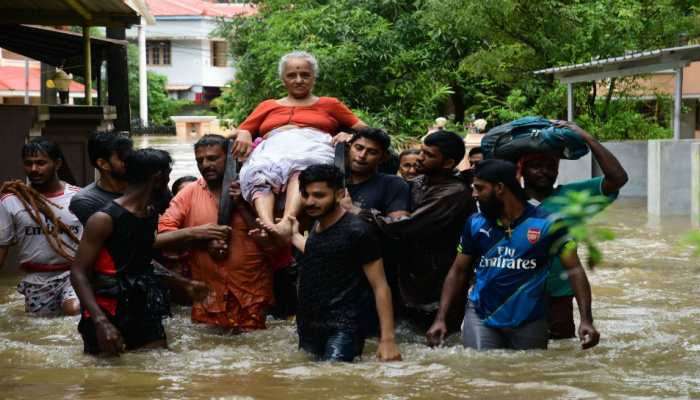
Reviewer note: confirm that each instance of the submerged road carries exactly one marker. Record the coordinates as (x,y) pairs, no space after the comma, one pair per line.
(645,305)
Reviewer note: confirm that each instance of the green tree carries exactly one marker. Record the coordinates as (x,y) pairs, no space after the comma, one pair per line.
(405,62)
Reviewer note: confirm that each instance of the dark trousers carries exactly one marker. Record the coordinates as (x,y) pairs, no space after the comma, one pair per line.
(561,317)
(327,343)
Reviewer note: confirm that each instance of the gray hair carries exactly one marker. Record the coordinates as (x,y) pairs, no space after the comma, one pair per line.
(298,54)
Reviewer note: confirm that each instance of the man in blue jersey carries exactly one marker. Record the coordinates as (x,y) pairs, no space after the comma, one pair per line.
(540,173)
(507,248)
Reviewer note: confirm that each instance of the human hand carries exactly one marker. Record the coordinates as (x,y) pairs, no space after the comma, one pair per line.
(235,191)
(388,350)
(294,224)
(242,145)
(588,335)
(109,340)
(436,334)
(210,232)
(196,290)
(341,137)
(572,126)
(218,249)
(346,201)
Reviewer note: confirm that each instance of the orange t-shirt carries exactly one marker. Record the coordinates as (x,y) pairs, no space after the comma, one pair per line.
(328,114)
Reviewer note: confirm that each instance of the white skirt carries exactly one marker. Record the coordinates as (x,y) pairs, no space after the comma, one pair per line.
(283,153)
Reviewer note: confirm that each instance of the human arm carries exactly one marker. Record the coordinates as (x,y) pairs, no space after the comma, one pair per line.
(436,213)
(298,239)
(7,234)
(587,333)
(250,128)
(192,234)
(170,225)
(387,350)
(455,284)
(98,229)
(614,174)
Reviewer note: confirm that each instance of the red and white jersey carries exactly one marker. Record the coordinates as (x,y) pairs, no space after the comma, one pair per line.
(18,227)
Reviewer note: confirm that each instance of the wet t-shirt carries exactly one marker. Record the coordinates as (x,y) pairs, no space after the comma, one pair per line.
(91,200)
(333,288)
(385,193)
(18,226)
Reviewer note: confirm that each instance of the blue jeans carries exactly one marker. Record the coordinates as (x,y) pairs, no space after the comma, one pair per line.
(331,344)
(475,335)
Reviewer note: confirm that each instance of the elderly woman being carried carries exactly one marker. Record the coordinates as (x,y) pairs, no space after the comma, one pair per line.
(298,130)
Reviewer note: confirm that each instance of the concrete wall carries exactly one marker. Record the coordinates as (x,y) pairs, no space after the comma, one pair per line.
(695,184)
(669,177)
(633,157)
(575,170)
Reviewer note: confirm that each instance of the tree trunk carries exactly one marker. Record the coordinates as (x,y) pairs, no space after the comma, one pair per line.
(608,98)
(458,102)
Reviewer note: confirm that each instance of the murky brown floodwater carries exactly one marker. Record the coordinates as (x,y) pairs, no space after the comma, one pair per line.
(645,304)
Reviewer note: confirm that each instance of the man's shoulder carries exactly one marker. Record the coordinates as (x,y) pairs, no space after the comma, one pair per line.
(592,184)
(392,179)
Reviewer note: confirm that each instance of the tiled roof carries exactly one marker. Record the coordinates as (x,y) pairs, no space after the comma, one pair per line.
(162,8)
(12,78)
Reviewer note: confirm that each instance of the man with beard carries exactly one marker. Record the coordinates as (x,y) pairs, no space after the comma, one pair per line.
(341,261)
(107,152)
(37,219)
(508,247)
(440,203)
(539,173)
(239,280)
(123,301)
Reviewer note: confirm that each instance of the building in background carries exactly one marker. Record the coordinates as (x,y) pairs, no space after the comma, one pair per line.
(21,76)
(181,46)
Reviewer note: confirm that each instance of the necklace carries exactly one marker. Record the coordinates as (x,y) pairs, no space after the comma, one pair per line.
(508,229)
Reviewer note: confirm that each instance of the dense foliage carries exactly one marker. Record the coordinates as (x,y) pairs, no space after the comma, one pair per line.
(402,63)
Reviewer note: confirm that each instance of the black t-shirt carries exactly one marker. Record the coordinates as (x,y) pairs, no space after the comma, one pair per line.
(90,200)
(385,193)
(333,288)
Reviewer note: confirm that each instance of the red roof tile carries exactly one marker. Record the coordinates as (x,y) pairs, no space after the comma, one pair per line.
(161,8)
(12,78)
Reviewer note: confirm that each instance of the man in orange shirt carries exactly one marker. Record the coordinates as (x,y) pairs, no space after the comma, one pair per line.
(239,280)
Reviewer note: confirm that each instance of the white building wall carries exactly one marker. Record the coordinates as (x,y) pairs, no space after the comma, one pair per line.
(190,52)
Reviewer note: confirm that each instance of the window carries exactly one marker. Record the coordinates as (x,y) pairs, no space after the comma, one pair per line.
(158,52)
(219,54)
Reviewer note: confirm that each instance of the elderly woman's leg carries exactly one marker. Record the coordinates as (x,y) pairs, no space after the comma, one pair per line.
(264,203)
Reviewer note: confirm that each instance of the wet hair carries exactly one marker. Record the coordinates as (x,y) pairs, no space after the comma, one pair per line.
(321,173)
(211,139)
(42,145)
(475,150)
(143,164)
(297,54)
(449,143)
(408,152)
(177,185)
(374,134)
(103,144)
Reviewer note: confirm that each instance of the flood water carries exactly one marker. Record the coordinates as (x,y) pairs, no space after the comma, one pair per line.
(645,306)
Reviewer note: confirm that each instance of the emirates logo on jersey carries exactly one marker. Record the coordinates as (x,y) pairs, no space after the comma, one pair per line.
(533,235)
